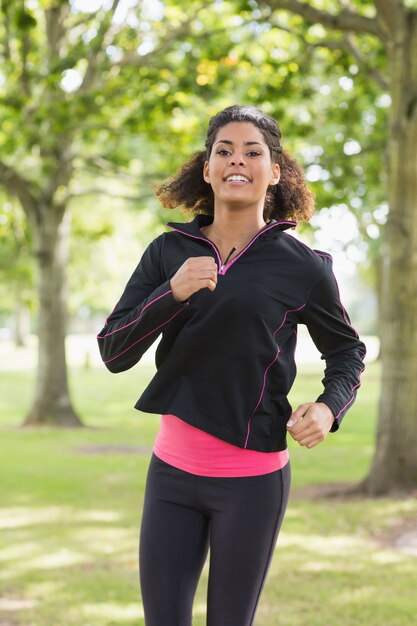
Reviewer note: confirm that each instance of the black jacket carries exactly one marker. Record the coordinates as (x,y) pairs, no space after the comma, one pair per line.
(225,362)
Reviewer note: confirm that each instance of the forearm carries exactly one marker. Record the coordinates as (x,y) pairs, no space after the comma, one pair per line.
(130,331)
(342,381)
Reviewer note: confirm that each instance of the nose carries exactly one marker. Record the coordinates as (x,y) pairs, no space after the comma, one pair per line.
(237,160)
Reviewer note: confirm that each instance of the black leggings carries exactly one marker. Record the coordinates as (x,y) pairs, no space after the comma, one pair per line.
(184,515)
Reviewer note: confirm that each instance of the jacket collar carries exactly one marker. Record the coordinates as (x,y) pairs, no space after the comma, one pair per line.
(201,219)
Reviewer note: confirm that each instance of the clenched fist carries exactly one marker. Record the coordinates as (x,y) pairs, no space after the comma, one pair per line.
(310,423)
(194,274)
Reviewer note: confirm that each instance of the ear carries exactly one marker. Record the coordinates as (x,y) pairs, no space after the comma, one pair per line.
(275,174)
(206,175)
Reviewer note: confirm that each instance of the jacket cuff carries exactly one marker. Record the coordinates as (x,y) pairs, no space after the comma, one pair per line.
(329,402)
(166,286)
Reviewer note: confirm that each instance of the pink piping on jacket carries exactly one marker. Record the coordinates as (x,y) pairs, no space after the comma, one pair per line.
(144,336)
(250,243)
(223,270)
(273,361)
(346,322)
(354,330)
(353,395)
(328,256)
(136,320)
(202,239)
(338,294)
(357,335)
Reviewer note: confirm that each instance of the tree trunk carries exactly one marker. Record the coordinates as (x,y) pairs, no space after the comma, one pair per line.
(52,403)
(378,284)
(21,321)
(394,467)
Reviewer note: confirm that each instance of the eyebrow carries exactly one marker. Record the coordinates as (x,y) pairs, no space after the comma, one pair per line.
(246,143)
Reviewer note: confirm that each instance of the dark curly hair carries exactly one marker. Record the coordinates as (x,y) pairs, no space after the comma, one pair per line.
(290,199)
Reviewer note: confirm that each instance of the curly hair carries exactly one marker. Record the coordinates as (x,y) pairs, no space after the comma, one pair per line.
(290,199)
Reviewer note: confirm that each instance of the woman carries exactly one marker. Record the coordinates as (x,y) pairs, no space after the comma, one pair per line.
(227,290)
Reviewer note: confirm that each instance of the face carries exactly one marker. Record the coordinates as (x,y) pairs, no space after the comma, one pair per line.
(240,168)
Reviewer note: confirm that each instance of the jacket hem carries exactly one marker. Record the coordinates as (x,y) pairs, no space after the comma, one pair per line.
(260,444)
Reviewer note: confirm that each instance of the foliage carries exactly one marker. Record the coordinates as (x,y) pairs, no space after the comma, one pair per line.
(130,90)
(98,105)
(16,269)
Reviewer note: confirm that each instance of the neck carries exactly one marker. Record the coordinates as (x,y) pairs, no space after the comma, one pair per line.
(235,227)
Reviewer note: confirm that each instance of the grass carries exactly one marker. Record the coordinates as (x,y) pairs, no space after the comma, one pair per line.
(70,517)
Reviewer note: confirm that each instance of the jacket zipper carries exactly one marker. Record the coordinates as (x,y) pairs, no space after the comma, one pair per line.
(223,267)
(228,257)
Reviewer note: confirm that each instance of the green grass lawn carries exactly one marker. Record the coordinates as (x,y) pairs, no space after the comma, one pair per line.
(71,508)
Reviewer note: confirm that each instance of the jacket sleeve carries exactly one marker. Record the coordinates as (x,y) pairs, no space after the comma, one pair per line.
(329,326)
(147,305)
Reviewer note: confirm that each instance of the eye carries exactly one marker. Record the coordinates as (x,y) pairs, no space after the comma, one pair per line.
(254,153)
(222,152)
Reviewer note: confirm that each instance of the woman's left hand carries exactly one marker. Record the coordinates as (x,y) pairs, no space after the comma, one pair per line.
(310,423)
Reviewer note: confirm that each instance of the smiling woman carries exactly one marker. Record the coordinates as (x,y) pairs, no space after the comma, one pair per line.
(227,291)
(290,199)
(240,160)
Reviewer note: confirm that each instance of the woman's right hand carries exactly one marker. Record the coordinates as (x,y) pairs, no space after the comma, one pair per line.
(194,274)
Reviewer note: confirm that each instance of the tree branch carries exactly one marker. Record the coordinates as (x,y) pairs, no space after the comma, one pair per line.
(388,13)
(345,20)
(7,34)
(16,185)
(61,173)
(328,162)
(379,78)
(105,165)
(55,30)
(344,43)
(24,75)
(96,50)
(104,192)
(175,35)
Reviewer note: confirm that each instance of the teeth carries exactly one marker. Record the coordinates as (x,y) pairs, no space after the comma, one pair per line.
(237,178)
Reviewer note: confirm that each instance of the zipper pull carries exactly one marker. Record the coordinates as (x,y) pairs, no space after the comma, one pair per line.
(228,257)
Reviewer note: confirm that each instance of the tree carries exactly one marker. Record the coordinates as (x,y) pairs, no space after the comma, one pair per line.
(94,92)
(70,91)
(16,269)
(78,89)
(393,26)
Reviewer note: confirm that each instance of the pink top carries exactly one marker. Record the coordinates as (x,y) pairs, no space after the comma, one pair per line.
(193,450)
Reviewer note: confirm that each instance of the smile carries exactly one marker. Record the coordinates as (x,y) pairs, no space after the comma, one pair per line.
(237,178)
